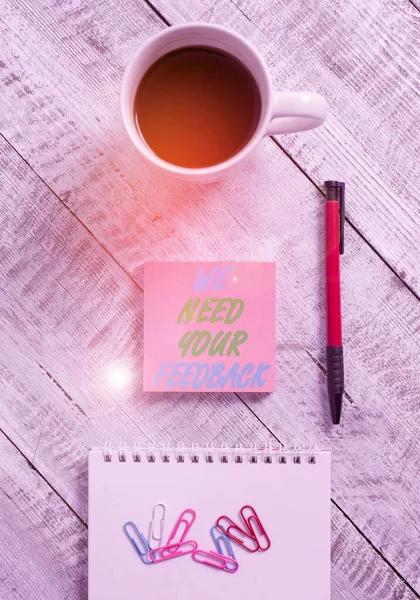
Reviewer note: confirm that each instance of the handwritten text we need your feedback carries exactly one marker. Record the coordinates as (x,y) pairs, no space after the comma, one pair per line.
(209,341)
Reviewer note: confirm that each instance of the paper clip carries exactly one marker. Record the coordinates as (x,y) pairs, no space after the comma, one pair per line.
(256,527)
(138,541)
(160,521)
(185,521)
(218,538)
(227,550)
(172,551)
(213,559)
(244,538)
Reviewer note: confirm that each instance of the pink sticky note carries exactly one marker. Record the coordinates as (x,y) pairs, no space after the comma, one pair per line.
(209,327)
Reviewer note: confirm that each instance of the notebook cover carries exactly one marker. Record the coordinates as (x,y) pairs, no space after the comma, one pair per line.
(292,501)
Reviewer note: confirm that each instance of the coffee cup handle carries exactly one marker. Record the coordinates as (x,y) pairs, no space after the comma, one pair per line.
(296,111)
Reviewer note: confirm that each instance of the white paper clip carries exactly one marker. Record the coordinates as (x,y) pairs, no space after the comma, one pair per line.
(157,523)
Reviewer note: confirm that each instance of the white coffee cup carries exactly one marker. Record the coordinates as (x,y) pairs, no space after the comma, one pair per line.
(281,112)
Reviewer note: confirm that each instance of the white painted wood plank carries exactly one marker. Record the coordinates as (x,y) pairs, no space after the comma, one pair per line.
(364,57)
(43,544)
(107,207)
(356,574)
(72,326)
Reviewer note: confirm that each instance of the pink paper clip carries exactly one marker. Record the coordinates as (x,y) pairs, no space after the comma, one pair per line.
(172,551)
(252,521)
(182,527)
(246,539)
(218,561)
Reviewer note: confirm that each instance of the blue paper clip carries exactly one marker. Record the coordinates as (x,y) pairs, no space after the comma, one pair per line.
(224,551)
(138,541)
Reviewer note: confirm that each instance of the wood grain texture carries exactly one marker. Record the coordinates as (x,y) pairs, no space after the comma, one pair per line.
(71,321)
(355,572)
(61,431)
(43,544)
(375,155)
(72,316)
(103,182)
(364,58)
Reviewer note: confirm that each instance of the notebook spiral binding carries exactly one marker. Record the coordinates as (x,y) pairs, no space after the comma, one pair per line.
(254,454)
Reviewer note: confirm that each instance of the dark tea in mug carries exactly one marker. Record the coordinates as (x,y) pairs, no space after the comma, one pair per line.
(197,106)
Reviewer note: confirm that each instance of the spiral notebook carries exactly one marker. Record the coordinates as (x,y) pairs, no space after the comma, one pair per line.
(150,489)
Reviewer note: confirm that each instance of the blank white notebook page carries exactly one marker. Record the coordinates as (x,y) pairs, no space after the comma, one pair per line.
(292,501)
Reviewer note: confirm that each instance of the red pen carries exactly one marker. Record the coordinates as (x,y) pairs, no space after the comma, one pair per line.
(334,237)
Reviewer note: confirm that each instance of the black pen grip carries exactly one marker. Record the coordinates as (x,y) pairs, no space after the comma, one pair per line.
(335,370)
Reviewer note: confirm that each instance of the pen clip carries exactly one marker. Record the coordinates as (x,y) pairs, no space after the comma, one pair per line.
(336,193)
(341,193)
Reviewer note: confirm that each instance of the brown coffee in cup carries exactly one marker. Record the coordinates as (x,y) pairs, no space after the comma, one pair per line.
(197,106)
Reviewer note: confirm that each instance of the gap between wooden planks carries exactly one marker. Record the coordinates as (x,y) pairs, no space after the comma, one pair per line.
(365,61)
(55,550)
(41,140)
(375,154)
(61,246)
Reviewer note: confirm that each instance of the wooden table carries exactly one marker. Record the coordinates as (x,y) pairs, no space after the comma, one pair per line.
(80,213)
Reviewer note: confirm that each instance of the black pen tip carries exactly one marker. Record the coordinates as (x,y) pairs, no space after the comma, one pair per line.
(336,402)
